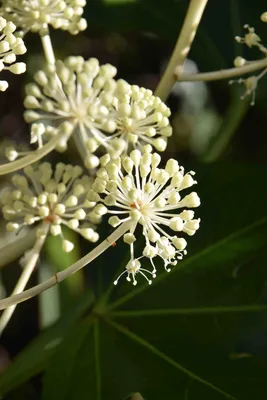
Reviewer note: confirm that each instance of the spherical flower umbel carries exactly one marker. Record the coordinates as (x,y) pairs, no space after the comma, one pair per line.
(35,16)
(10,47)
(55,197)
(72,92)
(137,118)
(137,192)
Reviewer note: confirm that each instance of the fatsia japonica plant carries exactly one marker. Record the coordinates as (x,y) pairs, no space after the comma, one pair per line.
(121,186)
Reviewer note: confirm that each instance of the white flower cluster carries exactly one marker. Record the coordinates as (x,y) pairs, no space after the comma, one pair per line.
(136,189)
(101,112)
(36,15)
(70,92)
(56,198)
(10,47)
(136,117)
(250,39)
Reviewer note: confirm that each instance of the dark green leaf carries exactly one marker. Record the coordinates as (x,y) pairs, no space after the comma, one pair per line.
(34,358)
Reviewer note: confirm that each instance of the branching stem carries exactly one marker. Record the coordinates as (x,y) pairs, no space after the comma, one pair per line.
(29,159)
(183,45)
(224,73)
(60,276)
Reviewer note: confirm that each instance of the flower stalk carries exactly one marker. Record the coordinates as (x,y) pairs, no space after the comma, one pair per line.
(48,49)
(24,278)
(224,73)
(60,276)
(31,158)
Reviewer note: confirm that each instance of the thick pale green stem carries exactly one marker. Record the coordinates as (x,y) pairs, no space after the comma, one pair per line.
(183,45)
(31,158)
(224,73)
(48,49)
(24,278)
(60,276)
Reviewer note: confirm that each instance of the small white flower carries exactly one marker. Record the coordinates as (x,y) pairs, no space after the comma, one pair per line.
(36,15)
(134,267)
(10,47)
(250,38)
(55,197)
(140,192)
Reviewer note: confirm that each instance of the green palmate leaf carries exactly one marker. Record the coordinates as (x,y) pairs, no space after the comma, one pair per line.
(73,363)
(210,340)
(128,363)
(167,359)
(197,332)
(189,311)
(79,360)
(166,353)
(34,358)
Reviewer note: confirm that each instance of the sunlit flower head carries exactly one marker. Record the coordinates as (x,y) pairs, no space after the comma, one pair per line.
(137,192)
(10,47)
(35,16)
(74,91)
(56,197)
(136,118)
